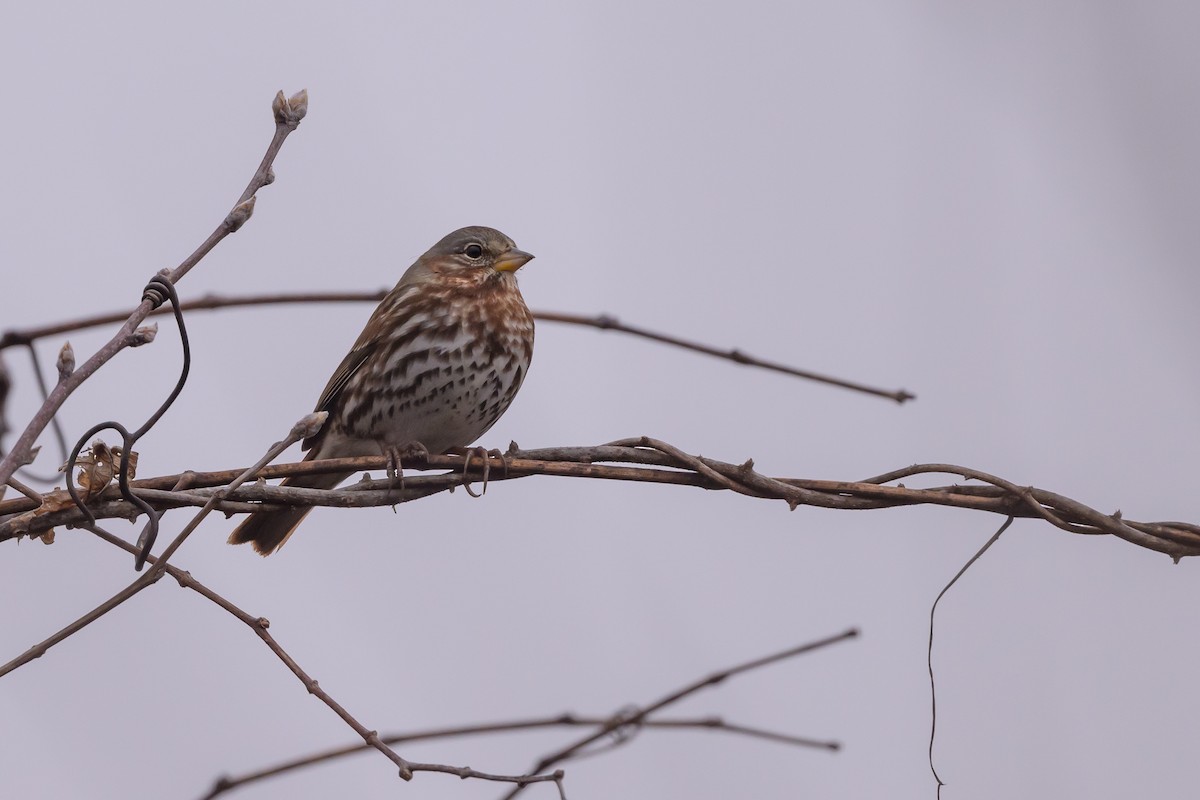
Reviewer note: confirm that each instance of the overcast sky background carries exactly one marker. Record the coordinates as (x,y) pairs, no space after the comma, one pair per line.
(990,204)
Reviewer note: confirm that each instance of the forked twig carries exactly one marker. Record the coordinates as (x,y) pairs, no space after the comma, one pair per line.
(634,716)
(288,113)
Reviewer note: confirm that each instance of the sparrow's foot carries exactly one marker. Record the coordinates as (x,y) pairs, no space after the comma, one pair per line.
(478,452)
(396,456)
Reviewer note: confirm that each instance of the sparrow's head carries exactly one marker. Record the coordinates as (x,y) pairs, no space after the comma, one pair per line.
(475,248)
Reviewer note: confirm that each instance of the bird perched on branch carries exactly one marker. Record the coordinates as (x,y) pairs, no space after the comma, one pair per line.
(438,362)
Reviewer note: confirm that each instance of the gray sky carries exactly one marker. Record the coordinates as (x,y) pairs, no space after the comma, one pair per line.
(990,204)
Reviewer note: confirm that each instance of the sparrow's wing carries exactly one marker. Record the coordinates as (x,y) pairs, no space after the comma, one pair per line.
(341,376)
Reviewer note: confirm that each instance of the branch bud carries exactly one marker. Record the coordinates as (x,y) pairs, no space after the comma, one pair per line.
(299,104)
(143,335)
(66,361)
(241,212)
(310,425)
(290,110)
(29,459)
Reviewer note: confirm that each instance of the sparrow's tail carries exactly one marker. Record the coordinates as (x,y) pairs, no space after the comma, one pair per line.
(268,530)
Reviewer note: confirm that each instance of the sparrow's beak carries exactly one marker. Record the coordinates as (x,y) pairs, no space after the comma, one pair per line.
(512,261)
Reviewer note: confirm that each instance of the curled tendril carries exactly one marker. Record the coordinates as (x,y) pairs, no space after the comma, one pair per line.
(157,291)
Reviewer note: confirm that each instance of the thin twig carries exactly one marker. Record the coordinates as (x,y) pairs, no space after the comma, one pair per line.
(25,490)
(39,649)
(55,424)
(604,322)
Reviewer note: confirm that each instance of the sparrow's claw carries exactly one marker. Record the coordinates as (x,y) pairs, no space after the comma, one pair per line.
(394,466)
(395,461)
(496,452)
(478,452)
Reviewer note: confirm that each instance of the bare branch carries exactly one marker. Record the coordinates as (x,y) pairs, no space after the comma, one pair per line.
(55,424)
(128,334)
(604,322)
(657,462)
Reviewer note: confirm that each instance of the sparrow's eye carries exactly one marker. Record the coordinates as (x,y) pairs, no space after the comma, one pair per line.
(473,251)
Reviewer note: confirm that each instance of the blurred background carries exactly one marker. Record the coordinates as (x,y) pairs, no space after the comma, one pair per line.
(989,204)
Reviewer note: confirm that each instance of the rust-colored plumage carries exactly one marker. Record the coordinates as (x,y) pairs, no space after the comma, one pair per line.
(438,362)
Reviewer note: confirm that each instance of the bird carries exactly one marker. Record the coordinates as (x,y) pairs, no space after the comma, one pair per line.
(438,362)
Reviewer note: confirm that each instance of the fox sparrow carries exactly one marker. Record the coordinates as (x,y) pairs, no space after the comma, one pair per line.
(437,364)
